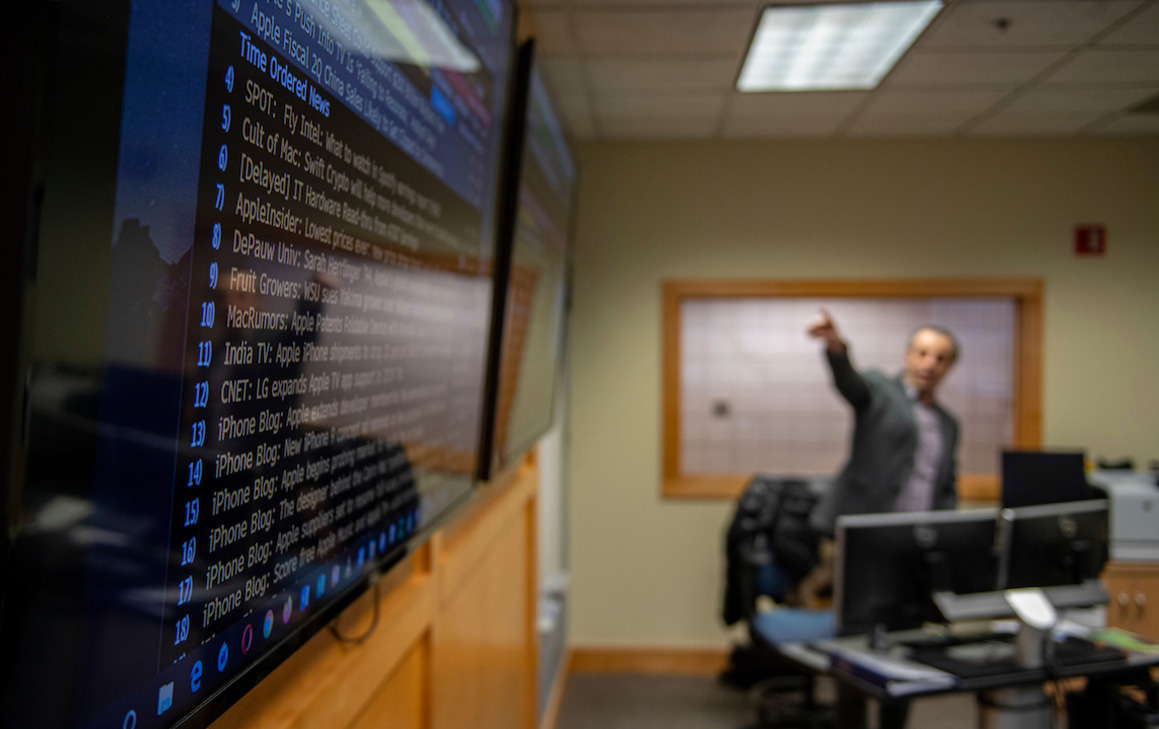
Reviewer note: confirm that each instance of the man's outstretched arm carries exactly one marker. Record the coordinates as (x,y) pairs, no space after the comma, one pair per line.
(846,379)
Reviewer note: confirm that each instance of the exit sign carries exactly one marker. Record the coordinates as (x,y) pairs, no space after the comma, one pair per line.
(1090,240)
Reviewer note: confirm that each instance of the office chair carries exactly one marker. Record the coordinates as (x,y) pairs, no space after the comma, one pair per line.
(789,700)
(770,548)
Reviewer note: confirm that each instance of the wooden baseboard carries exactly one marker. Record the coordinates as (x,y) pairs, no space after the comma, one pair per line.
(555,695)
(695,661)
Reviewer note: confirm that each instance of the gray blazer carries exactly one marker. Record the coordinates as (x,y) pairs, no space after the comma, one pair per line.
(882,453)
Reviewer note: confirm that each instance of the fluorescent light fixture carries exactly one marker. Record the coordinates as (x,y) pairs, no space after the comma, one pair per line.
(827,47)
(414,33)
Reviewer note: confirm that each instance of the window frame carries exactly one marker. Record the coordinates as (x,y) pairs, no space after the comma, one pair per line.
(1026,293)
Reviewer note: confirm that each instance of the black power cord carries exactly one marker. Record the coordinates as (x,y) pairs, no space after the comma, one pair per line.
(358,639)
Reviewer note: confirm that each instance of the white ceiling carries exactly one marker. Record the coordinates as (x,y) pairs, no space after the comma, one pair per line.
(663,69)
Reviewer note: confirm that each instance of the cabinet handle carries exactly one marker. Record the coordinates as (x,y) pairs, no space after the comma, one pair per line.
(1140,602)
(1124,600)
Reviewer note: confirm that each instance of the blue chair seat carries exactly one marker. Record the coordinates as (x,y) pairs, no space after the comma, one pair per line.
(788,625)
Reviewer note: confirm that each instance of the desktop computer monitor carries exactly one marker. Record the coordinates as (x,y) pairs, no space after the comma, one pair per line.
(1030,478)
(1054,544)
(889,565)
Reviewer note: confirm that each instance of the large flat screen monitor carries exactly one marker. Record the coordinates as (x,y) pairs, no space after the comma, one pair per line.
(889,565)
(532,278)
(255,308)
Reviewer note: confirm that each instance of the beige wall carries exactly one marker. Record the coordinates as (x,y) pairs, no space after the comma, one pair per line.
(649,572)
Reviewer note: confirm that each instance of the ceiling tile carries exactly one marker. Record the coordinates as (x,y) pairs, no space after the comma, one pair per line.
(906,125)
(553,35)
(1141,30)
(660,127)
(665,68)
(970,68)
(1078,101)
(665,4)
(577,115)
(661,74)
(676,106)
(563,75)
(1098,66)
(891,102)
(803,125)
(1131,124)
(796,104)
(1009,124)
(1067,23)
(582,130)
(676,32)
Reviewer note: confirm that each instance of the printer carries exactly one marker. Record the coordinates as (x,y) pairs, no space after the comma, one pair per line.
(1134,513)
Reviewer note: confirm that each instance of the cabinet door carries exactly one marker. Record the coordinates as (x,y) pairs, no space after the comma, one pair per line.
(1132,589)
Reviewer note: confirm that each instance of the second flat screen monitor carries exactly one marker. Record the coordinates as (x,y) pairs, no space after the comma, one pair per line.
(889,565)
(530,352)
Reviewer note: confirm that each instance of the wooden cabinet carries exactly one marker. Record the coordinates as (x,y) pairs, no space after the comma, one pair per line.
(451,643)
(1133,588)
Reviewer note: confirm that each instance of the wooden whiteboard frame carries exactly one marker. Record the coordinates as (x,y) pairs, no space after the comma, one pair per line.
(1027,396)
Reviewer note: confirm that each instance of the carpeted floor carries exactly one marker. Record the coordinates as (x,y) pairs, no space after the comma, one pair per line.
(639,701)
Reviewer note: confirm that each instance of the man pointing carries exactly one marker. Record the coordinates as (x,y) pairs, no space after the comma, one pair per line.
(902,454)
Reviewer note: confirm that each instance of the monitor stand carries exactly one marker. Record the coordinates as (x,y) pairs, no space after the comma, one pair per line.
(1023,707)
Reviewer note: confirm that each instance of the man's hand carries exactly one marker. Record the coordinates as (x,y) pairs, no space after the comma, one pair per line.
(824,328)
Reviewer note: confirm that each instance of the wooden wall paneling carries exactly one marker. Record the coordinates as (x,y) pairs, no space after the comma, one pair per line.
(483,665)
(401,703)
(457,694)
(327,683)
(530,658)
(503,588)
(465,544)
(455,644)
(1026,292)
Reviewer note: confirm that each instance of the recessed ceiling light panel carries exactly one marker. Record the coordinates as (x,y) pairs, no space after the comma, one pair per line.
(828,47)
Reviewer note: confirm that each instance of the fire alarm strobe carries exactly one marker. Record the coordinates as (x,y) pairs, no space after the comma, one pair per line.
(1090,240)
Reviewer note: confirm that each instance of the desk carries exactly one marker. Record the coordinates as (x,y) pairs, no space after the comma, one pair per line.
(817,658)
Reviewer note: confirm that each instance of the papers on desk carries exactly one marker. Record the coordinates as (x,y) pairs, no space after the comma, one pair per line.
(897,676)
(1118,638)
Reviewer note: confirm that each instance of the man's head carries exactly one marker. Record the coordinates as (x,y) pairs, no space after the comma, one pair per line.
(929,356)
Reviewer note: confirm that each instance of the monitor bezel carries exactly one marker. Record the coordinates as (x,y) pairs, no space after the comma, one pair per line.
(1009,520)
(890,521)
(494,459)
